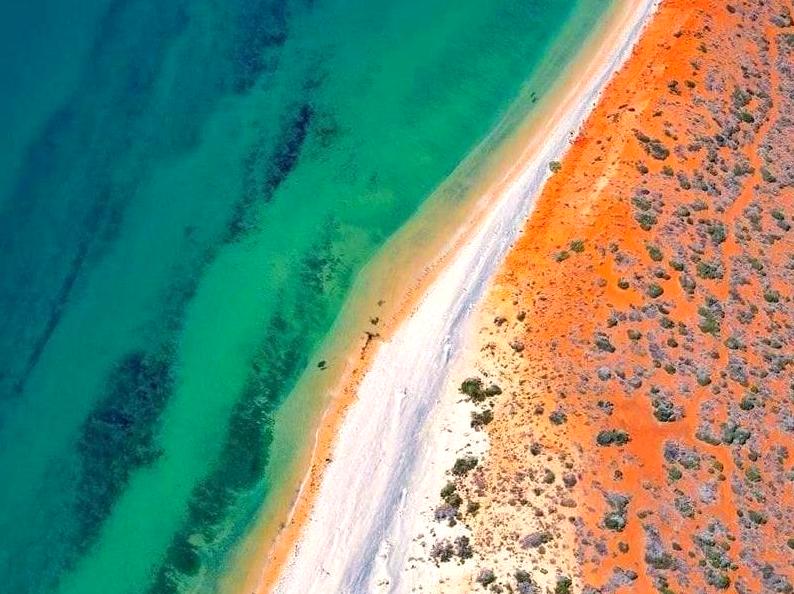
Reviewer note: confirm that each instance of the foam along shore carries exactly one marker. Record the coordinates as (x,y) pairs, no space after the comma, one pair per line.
(367,508)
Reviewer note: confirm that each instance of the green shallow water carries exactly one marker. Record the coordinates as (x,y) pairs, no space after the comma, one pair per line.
(188,191)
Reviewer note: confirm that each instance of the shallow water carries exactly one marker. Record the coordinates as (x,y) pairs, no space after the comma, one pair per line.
(188,191)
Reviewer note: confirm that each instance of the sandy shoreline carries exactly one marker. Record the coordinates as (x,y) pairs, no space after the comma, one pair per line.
(408,373)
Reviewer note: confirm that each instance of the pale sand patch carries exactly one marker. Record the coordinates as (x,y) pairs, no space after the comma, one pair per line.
(383,445)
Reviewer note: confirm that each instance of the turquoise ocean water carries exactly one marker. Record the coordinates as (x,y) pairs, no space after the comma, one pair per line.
(187,191)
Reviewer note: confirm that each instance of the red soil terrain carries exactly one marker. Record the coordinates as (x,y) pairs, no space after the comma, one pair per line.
(641,332)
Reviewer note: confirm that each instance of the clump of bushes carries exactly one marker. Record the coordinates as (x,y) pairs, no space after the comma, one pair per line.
(558,417)
(709,270)
(602,343)
(486,577)
(616,518)
(717,232)
(463,548)
(646,220)
(443,550)
(563,585)
(709,324)
(665,411)
(480,419)
(733,433)
(652,146)
(536,539)
(741,98)
(474,388)
(654,252)
(655,290)
(463,465)
(450,495)
(608,437)
(771,296)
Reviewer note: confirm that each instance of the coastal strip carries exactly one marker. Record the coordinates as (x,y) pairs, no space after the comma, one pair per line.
(376,451)
(641,438)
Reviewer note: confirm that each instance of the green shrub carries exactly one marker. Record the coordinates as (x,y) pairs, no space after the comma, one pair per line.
(767,176)
(641,202)
(717,232)
(646,220)
(471,386)
(654,291)
(709,270)
(558,417)
(480,419)
(654,252)
(448,490)
(486,578)
(607,437)
(771,296)
(657,150)
(463,465)
(741,98)
(564,585)
(603,344)
(615,521)
(493,390)
(748,402)
(757,517)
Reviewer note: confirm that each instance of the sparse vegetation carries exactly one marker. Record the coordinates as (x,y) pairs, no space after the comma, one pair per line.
(463,465)
(656,369)
(654,290)
(612,437)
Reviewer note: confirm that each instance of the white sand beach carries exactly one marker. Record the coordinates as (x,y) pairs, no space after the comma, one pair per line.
(406,426)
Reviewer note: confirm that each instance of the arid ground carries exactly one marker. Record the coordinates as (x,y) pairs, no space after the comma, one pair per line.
(635,358)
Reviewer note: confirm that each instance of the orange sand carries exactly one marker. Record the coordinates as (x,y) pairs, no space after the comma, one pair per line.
(678,89)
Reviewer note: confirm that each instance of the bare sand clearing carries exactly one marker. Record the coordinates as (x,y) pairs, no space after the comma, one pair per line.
(357,536)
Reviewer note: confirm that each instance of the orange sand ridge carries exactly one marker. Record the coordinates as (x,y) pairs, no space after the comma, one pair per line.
(641,330)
